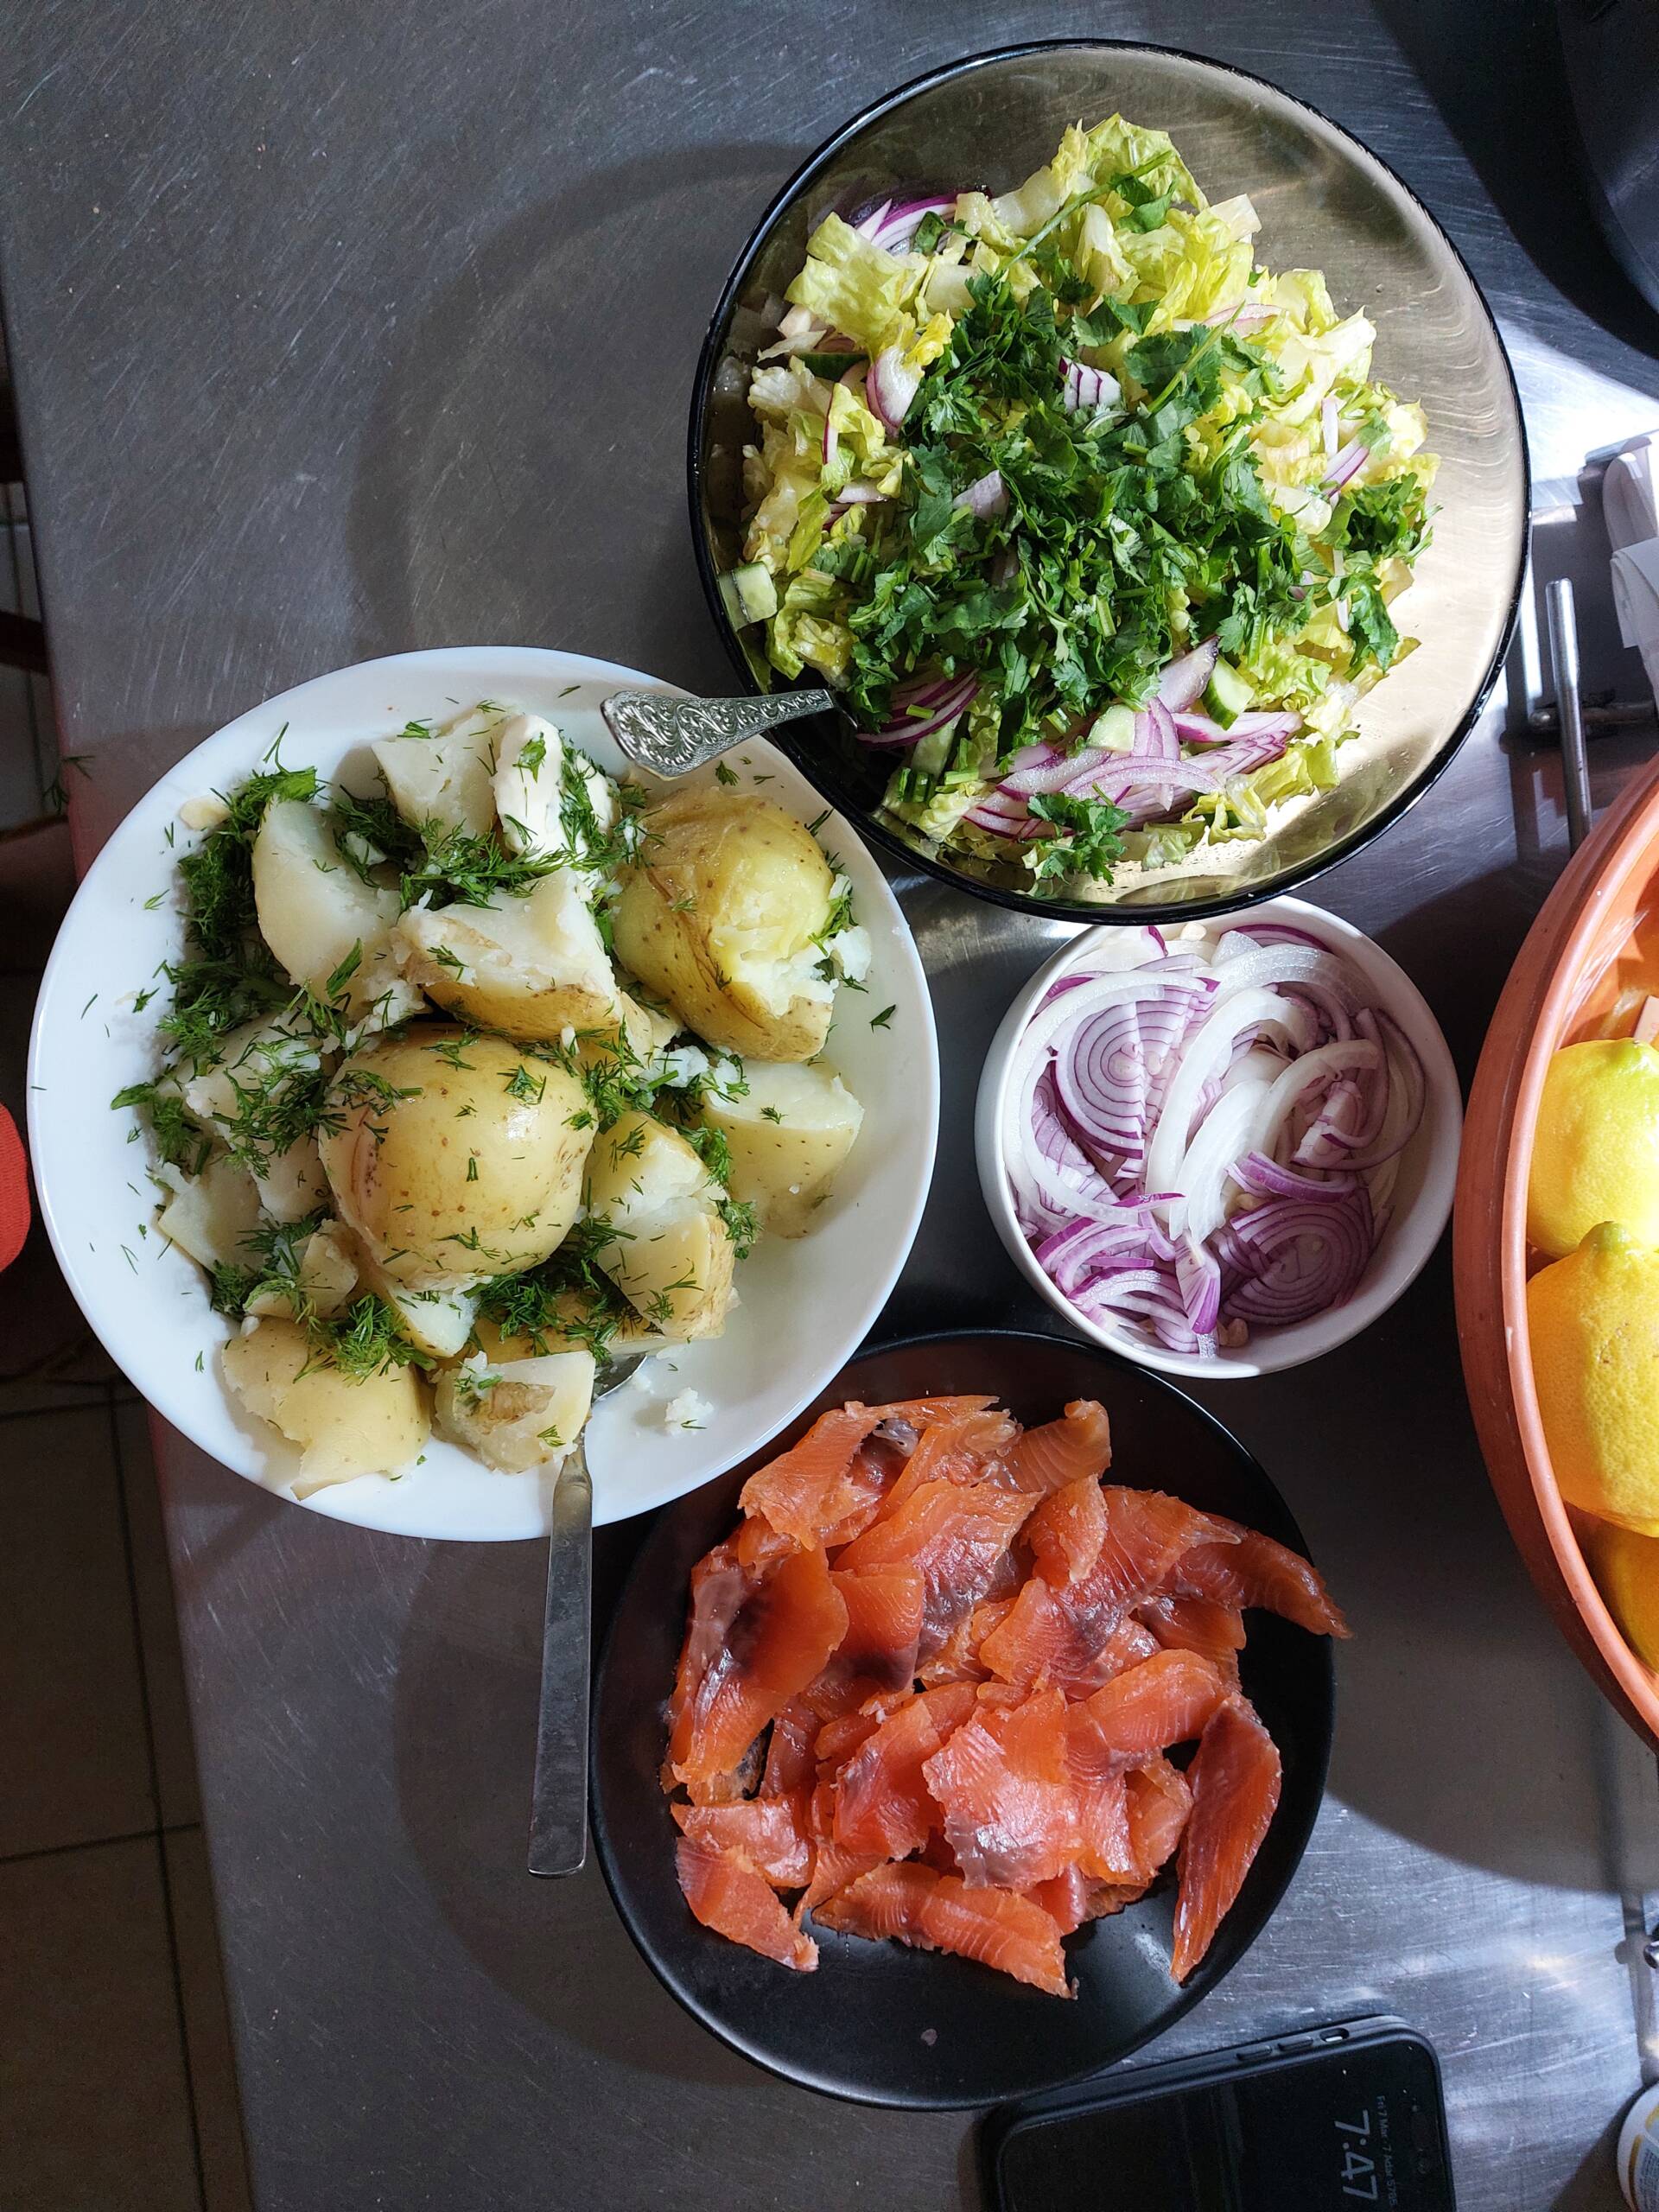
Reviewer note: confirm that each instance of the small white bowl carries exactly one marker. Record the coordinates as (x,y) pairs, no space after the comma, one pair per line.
(1422,1198)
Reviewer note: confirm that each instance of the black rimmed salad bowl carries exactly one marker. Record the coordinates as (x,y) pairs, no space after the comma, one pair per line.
(1326,204)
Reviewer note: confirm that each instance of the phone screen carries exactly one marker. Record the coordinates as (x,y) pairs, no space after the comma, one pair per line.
(1324,2132)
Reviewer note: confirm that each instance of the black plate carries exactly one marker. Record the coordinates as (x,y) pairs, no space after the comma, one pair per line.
(1331,204)
(878,2023)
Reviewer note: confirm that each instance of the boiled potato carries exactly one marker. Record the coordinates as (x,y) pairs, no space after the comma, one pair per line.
(442,781)
(343,1426)
(260,1059)
(531,966)
(787,1136)
(325,1276)
(648,1028)
(515,1413)
(672,1257)
(210,1215)
(292,1183)
(534,768)
(319,916)
(720,916)
(455,1157)
(434,1321)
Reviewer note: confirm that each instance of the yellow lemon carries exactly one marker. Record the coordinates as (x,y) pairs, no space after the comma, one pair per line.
(1626,1566)
(1594,1322)
(1595,1151)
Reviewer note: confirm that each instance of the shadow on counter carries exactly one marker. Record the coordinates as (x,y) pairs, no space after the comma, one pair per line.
(1498,80)
(534,425)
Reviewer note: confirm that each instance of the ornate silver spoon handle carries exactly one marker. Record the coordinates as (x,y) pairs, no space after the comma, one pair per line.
(672,736)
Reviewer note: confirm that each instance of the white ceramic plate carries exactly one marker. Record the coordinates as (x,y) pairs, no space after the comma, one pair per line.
(1422,1196)
(806,1305)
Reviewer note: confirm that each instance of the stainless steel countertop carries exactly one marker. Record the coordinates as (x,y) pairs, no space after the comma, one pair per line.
(338,330)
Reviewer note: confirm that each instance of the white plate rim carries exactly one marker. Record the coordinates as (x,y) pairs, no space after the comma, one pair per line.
(216,760)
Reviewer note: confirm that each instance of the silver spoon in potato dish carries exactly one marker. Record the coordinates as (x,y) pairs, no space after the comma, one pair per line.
(558,1800)
(672,736)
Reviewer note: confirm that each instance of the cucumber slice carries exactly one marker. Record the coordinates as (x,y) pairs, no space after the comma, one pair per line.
(929,756)
(1228,694)
(748,594)
(1114,730)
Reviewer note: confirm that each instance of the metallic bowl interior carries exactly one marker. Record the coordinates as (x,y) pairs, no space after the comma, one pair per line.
(1325,203)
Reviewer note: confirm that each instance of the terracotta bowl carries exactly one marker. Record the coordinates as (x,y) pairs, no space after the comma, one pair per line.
(1566,976)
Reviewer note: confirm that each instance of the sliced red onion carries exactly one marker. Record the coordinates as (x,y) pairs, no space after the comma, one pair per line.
(890,387)
(870,222)
(907,729)
(1328,425)
(1046,768)
(903,218)
(1286,964)
(1209,1052)
(1173,1170)
(1348,463)
(1185,679)
(1256,1171)
(1198,1275)
(857,495)
(986,496)
(1313,1255)
(1083,389)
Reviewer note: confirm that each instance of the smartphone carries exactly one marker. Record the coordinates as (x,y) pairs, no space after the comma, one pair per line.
(1327,2119)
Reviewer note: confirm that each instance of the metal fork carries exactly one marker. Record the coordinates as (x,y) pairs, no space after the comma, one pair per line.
(672,736)
(559,1799)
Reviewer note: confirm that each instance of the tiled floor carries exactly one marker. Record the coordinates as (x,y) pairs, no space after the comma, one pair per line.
(117,2083)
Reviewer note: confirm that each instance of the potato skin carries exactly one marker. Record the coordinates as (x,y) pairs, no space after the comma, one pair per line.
(398,1165)
(787,1138)
(730,891)
(344,1428)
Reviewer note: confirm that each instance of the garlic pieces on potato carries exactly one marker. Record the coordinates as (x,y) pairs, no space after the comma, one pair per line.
(724,916)
(787,1135)
(455,1156)
(672,1253)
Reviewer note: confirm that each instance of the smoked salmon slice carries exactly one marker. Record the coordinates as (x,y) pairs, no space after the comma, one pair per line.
(727,1894)
(928,1686)
(1234,1780)
(954,1535)
(884,1625)
(939,1912)
(1011,1815)
(1063,1452)
(960,1657)
(777,1642)
(1072,1899)
(1067,1531)
(1160,1801)
(1215,1632)
(791,1760)
(1168,1699)
(1253,1570)
(770,1833)
(797,1493)
(883,1807)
